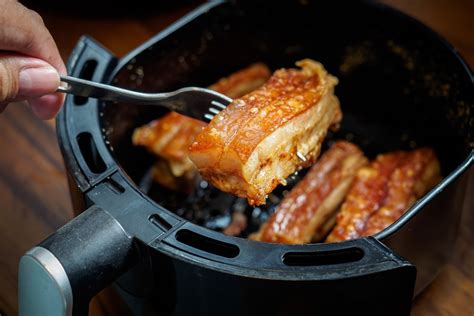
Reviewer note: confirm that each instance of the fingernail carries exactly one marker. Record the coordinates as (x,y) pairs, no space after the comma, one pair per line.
(35,82)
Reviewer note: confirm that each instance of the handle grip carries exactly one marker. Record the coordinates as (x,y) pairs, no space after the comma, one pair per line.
(62,274)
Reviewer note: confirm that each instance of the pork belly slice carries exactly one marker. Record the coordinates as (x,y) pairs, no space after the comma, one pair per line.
(365,197)
(307,213)
(237,225)
(169,137)
(260,139)
(382,192)
(243,81)
(162,173)
(418,173)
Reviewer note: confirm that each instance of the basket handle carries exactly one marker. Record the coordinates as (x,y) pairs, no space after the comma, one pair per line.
(61,275)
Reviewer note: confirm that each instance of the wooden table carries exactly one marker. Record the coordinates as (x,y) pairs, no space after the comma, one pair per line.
(34,198)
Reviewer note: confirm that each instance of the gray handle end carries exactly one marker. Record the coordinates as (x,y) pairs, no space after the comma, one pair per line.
(43,285)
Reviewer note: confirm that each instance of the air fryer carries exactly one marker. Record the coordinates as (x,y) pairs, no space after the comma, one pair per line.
(401,86)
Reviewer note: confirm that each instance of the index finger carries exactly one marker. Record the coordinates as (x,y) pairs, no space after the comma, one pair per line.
(22,30)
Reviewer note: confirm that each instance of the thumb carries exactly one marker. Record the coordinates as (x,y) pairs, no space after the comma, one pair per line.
(24,78)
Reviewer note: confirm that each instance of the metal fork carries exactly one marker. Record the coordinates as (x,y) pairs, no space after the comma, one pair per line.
(194,102)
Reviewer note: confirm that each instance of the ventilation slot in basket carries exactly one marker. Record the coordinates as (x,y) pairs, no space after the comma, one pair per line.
(86,73)
(90,153)
(160,222)
(207,244)
(322,258)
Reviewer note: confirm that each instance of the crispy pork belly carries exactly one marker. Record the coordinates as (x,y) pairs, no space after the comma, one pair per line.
(237,225)
(365,197)
(260,139)
(162,173)
(383,191)
(170,136)
(417,174)
(308,212)
(242,82)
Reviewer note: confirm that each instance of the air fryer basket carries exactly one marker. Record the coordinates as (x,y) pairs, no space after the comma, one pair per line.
(401,86)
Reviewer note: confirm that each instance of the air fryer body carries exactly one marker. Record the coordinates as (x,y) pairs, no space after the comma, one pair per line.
(400,87)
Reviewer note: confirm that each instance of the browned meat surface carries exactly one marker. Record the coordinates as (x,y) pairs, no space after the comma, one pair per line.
(260,139)
(410,181)
(237,225)
(242,82)
(383,191)
(307,212)
(170,136)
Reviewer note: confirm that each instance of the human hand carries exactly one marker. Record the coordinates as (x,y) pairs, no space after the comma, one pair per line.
(30,63)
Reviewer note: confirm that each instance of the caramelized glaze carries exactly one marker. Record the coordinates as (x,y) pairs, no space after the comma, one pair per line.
(227,151)
(382,192)
(418,173)
(170,136)
(365,197)
(303,212)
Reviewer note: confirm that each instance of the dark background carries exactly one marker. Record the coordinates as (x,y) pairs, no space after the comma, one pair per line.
(34,198)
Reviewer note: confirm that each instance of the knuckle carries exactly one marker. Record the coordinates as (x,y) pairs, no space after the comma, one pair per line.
(36,17)
(8,82)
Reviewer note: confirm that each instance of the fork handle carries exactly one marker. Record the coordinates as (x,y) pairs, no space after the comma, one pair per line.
(91,89)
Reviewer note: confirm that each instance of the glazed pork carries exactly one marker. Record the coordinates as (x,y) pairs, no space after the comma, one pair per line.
(308,211)
(169,137)
(260,139)
(417,174)
(365,196)
(383,191)
(243,81)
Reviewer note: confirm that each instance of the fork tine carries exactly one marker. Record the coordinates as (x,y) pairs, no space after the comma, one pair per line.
(214,110)
(218,104)
(209,116)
